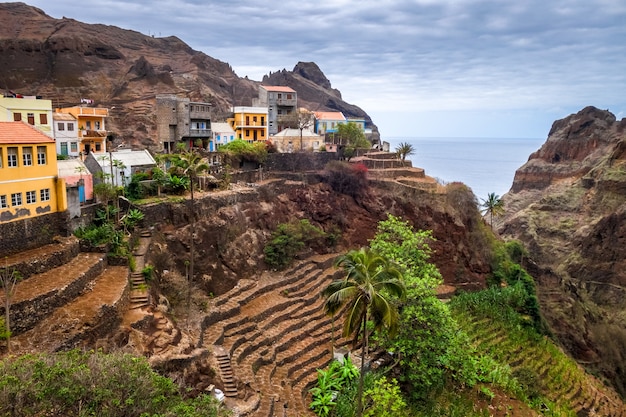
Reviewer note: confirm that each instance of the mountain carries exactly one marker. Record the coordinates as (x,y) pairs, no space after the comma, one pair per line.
(567,205)
(65,60)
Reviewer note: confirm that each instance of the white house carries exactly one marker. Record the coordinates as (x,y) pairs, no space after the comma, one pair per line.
(125,162)
(222,133)
(66,134)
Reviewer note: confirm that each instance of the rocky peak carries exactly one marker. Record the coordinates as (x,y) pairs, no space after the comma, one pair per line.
(311,72)
(574,146)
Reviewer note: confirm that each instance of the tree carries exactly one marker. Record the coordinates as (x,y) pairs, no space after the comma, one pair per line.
(190,164)
(353,137)
(405,149)
(493,205)
(9,278)
(370,282)
(301,119)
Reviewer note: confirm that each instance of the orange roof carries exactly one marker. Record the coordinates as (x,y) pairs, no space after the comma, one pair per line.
(279,88)
(329,115)
(21,132)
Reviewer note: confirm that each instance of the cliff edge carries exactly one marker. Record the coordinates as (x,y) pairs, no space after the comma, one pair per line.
(567,205)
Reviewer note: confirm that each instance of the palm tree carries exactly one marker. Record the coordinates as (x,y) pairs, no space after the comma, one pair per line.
(493,205)
(405,149)
(190,164)
(365,293)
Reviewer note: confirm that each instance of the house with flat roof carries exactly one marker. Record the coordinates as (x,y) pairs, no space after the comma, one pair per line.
(249,123)
(91,127)
(180,120)
(280,101)
(292,140)
(118,167)
(66,134)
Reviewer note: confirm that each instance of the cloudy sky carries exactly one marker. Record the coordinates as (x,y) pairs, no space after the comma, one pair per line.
(460,68)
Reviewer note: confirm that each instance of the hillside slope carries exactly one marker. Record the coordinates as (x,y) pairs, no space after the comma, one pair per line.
(568,205)
(65,60)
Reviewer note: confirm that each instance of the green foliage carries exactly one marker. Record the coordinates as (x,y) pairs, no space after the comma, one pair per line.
(289,239)
(493,206)
(148,272)
(384,399)
(238,151)
(105,192)
(4,332)
(330,382)
(404,149)
(430,348)
(351,134)
(79,383)
(132,219)
(134,190)
(176,184)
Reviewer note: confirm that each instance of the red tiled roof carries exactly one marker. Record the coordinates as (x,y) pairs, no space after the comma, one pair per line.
(279,88)
(21,132)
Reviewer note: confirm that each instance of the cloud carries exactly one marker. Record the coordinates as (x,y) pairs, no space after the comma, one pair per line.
(422,55)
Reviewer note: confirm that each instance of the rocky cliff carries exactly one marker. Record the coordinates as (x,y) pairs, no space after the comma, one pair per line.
(65,60)
(568,206)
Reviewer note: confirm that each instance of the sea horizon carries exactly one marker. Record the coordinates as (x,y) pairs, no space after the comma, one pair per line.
(485,164)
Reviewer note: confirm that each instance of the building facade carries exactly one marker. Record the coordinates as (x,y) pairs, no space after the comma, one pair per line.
(222,133)
(328,121)
(249,123)
(66,134)
(280,102)
(29,183)
(30,109)
(180,120)
(91,127)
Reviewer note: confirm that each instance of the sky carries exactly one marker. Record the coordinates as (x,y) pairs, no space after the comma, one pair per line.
(419,68)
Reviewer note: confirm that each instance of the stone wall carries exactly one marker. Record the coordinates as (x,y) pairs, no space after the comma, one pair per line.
(31,233)
(305,161)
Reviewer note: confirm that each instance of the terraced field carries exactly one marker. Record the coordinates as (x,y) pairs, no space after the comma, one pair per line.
(274,335)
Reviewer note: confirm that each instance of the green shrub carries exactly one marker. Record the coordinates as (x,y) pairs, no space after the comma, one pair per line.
(289,239)
(77,383)
(345,178)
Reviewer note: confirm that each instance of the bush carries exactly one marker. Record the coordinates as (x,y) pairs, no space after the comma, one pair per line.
(79,383)
(345,178)
(289,239)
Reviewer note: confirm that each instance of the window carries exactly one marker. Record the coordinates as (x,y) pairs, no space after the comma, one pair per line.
(280,96)
(70,127)
(247,132)
(12,157)
(17,117)
(3,201)
(262,120)
(43,119)
(27,156)
(74,146)
(31,118)
(88,123)
(44,195)
(1,160)
(16,199)
(41,155)
(98,147)
(31,197)
(61,126)
(97,127)
(288,96)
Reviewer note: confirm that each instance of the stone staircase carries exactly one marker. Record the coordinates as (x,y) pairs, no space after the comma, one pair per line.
(274,334)
(139,295)
(67,299)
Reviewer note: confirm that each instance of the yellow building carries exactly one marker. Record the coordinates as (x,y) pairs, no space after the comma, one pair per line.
(249,123)
(34,111)
(92,131)
(29,183)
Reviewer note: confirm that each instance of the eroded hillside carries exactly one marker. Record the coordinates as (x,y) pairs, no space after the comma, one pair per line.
(568,205)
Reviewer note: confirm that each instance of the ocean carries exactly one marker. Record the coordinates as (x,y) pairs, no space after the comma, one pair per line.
(486,165)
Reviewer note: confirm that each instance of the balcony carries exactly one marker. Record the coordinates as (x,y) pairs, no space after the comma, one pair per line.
(93,133)
(286,102)
(200,133)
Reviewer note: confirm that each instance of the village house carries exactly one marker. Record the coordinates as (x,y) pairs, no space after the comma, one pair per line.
(179,120)
(280,102)
(35,111)
(66,134)
(249,123)
(29,183)
(91,127)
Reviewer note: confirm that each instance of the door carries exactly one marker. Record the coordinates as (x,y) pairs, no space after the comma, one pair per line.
(64,148)
(81,192)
